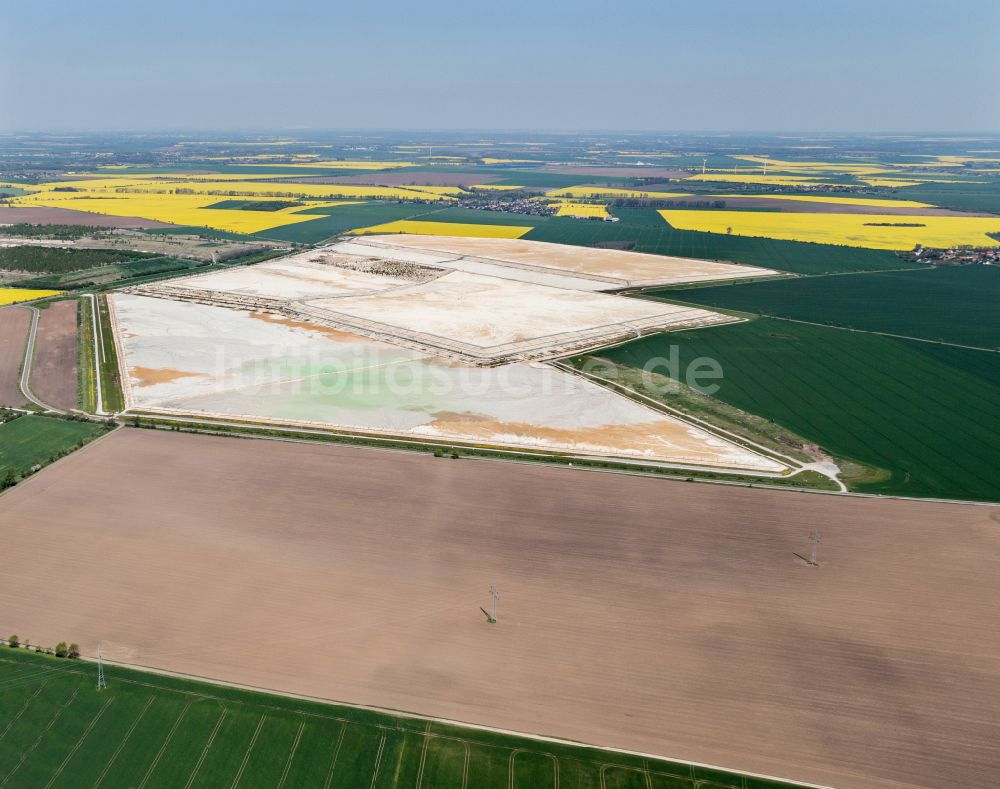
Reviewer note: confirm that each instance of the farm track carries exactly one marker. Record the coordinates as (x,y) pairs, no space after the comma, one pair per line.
(29,355)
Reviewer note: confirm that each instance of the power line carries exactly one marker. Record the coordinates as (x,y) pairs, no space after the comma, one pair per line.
(101,684)
(494,595)
(815,538)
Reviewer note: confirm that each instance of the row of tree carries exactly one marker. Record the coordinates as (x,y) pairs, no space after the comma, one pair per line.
(62,649)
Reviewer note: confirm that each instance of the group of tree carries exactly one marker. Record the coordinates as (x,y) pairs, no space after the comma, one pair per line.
(61,650)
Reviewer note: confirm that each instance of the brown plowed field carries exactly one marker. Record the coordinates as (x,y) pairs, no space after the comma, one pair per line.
(402,178)
(14,323)
(54,370)
(668,617)
(40,215)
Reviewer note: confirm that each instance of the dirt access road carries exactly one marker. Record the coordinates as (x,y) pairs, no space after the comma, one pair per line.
(667,617)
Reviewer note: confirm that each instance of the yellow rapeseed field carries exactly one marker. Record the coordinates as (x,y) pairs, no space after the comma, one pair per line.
(895,183)
(875,231)
(495,187)
(182,210)
(488,160)
(17,295)
(172,177)
(875,202)
(445,229)
(915,179)
(232,187)
(581,209)
(185,200)
(344,165)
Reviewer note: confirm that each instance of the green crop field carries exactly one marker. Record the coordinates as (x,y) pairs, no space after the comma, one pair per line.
(58,730)
(923,413)
(34,439)
(962,197)
(955,305)
(650,233)
(341,218)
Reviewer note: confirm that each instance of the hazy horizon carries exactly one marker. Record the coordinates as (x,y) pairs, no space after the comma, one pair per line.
(887,67)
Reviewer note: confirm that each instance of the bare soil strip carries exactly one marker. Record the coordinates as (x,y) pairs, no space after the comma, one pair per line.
(54,369)
(658,616)
(14,324)
(400,178)
(621,172)
(39,215)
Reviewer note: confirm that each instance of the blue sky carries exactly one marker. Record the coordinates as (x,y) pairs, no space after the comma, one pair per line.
(880,65)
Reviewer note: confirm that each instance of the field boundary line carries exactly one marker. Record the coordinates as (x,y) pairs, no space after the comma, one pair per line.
(643,771)
(291,755)
(563,462)
(79,742)
(336,755)
(26,678)
(465,767)
(429,736)
(378,760)
(555,766)
(886,334)
(468,724)
(163,747)
(41,735)
(121,745)
(27,703)
(206,748)
(246,756)
(755,315)
(423,758)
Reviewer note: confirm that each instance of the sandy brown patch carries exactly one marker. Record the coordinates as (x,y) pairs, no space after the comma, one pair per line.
(326,331)
(150,376)
(659,438)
